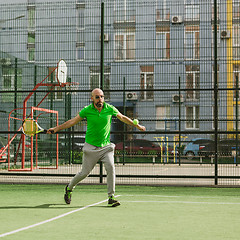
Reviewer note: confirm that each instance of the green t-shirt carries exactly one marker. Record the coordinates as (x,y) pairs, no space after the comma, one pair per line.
(98,124)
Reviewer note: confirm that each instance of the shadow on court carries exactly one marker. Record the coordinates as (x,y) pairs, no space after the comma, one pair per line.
(49,206)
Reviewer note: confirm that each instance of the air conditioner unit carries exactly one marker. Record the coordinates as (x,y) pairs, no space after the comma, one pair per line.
(177,19)
(6,61)
(131,96)
(105,39)
(177,98)
(225,34)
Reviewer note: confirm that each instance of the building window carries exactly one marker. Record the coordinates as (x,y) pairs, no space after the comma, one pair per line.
(80,42)
(31,53)
(236,41)
(31,31)
(124,11)
(192,117)
(218,3)
(31,46)
(9,81)
(80,16)
(80,51)
(163,43)
(124,46)
(191,10)
(192,42)
(236,9)
(162,117)
(146,83)
(192,82)
(162,11)
(8,78)
(95,80)
(31,17)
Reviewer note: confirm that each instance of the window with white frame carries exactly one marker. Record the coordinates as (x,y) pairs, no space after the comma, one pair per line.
(95,80)
(236,9)
(124,46)
(80,2)
(31,13)
(191,10)
(8,74)
(31,32)
(236,41)
(162,11)
(80,51)
(80,16)
(31,52)
(218,4)
(80,43)
(10,78)
(124,11)
(31,46)
(163,43)
(192,82)
(146,83)
(192,42)
(192,117)
(162,117)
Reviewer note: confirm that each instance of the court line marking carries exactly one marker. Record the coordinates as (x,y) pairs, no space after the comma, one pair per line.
(166,196)
(53,219)
(186,202)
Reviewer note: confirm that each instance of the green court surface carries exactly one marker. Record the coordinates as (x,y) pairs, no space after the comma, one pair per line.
(38,212)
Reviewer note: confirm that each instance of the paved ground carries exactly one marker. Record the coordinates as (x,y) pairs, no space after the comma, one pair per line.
(169,174)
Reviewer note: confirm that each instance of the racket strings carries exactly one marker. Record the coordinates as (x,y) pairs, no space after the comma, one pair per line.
(30,127)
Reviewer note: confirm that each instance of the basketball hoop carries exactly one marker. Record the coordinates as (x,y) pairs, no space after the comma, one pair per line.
(61,73)
(72,87)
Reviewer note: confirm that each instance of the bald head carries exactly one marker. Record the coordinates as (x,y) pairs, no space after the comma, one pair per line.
(97,98)
(97,91)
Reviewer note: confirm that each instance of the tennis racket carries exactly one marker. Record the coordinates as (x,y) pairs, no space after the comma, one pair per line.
(30,127)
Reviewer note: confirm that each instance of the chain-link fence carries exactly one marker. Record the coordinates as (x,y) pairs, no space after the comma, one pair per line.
(174,65)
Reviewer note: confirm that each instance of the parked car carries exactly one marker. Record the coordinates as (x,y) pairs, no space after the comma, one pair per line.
(193,148)
(48,146)
(16,141)
(3,157)
(226,147)
(77,142)
(139,146)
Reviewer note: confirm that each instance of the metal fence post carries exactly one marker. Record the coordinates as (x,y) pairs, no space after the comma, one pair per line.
(102,70)
(215,94)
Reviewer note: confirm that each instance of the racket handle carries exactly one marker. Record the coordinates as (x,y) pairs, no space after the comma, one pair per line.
(45,131)
(51,131)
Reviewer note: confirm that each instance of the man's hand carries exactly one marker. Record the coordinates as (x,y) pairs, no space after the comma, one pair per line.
(51,131)
(141,128)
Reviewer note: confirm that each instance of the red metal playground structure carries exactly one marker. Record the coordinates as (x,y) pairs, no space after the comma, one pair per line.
(36,112)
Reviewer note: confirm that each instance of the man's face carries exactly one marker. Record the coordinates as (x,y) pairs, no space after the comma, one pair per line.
(98,99)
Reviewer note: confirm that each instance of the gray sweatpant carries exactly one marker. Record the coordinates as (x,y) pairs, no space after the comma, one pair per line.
(91,155)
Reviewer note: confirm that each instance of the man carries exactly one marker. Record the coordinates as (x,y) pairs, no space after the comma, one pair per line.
(97,144)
